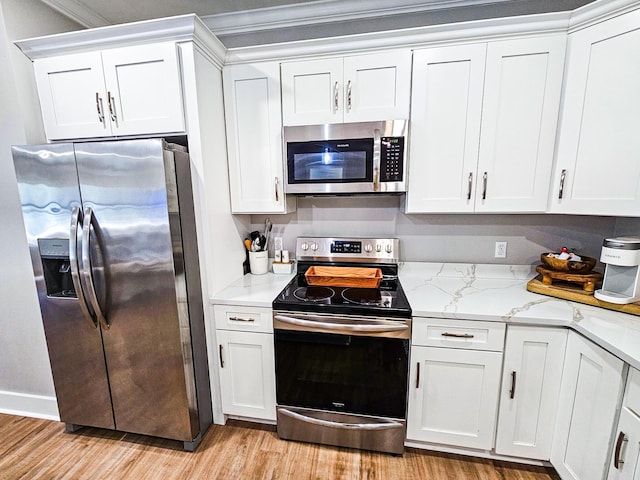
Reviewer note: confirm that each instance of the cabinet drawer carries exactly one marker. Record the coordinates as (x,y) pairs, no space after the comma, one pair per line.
(468,334)
(250,319)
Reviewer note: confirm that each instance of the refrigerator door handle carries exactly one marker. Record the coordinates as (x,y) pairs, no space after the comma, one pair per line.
(87,275)
(76,218)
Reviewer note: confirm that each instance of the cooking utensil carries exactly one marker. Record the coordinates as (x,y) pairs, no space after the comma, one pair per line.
(247,244)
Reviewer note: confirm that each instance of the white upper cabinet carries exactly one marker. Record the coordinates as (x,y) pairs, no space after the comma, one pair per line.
(483,123)
(522,87)
(598,162)
(121,91)
(347,89)
(446,106)
(254,139)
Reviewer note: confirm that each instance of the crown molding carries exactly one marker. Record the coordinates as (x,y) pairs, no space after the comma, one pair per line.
(182,28)
(325,11)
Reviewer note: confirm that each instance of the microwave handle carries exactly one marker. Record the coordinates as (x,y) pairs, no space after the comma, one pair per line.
(376,159)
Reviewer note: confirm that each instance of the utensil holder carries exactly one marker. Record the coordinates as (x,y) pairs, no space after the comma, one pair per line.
(259,262)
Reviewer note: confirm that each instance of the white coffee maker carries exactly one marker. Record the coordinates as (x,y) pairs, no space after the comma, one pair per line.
(621,283)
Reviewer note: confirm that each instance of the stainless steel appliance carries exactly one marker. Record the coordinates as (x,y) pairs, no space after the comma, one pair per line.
(621,283)
(111,232)
(342,352)
(368,157)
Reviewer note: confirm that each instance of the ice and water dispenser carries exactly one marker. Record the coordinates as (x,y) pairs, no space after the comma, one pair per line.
(54,253)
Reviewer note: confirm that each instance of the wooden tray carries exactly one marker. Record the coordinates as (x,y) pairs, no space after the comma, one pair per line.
(576,293)
(587,280)
(344,276)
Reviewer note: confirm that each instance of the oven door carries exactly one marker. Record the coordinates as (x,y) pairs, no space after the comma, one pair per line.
(330,166)
(342,380)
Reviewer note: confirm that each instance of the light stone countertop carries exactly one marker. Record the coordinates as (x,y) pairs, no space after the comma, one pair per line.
(498,293)
(494,293)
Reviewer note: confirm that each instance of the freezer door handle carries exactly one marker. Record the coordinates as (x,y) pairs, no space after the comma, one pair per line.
(87,275)
(76,218)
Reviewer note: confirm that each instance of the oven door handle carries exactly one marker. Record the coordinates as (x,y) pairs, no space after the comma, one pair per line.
(329,423)
(342,327)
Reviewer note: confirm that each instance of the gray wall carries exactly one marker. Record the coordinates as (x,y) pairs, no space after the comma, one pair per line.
(24,363)
(468,238)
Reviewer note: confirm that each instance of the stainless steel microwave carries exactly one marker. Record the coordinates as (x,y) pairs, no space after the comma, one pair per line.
(366,157)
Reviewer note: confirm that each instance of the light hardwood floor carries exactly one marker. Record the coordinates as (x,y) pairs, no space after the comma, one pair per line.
(40,449)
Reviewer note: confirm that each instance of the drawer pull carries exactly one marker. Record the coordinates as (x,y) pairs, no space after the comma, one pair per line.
(457,335)
(240,319)
(512,392)
(617,460)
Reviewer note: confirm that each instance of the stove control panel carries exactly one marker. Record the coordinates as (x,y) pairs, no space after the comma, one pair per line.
(382,250)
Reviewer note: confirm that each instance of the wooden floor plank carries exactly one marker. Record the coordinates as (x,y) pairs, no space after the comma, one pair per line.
(37,449)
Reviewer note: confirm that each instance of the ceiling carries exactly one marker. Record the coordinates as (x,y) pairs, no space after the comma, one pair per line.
(246,22)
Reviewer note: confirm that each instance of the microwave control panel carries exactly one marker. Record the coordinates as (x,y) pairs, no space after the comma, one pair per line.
(391,159)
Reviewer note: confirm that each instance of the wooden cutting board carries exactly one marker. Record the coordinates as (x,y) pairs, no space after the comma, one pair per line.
(575,293)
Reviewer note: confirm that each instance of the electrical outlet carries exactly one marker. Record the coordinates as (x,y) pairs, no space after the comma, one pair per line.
(501,250)
(277,243)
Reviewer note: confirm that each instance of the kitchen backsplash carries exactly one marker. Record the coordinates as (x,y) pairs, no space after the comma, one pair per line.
(467,238)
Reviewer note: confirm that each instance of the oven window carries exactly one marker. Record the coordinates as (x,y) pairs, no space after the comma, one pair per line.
(344,161)
(343,373)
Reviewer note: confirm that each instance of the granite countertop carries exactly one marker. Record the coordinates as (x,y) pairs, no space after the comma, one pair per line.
(494,293)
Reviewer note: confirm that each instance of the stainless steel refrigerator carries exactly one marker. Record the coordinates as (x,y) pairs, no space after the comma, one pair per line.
(111,232)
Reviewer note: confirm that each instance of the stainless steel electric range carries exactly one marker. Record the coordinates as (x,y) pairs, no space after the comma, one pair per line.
(342,353)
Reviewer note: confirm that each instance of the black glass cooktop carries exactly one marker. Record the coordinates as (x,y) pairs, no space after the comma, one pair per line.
(387,300)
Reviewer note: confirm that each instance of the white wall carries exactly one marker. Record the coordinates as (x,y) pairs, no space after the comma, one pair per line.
(468,238)
(26,385)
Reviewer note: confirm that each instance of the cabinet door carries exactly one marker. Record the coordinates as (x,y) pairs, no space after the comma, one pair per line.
(377,87)
(597,168)
(254,138)
(453,396)
(522,86)
(72,98)
(446,104)
(312,92)
(247,374)
(625,458)
(143,89)
(531,378)
(592,383)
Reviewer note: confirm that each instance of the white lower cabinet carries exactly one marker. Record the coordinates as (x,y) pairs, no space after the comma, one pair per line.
(625,458)
(453,387)
(592,384)
(246,361)
(532,373)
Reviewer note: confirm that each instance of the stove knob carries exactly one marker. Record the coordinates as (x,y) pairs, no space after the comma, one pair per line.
(304,246)
(368,248)
(378,248)
(388,248)
(314,246)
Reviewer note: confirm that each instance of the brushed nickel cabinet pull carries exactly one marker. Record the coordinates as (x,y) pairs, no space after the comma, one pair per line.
(112,107)
(418,375)
(99,108)
(276,190)
(457,335)
(240,319)
(512,392)
(221,360)
(484,186)
(335,97)
(563,175)
(470,183)
(617,460)
(349,95)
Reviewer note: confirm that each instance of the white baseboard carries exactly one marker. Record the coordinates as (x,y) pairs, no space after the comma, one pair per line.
(27,405)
